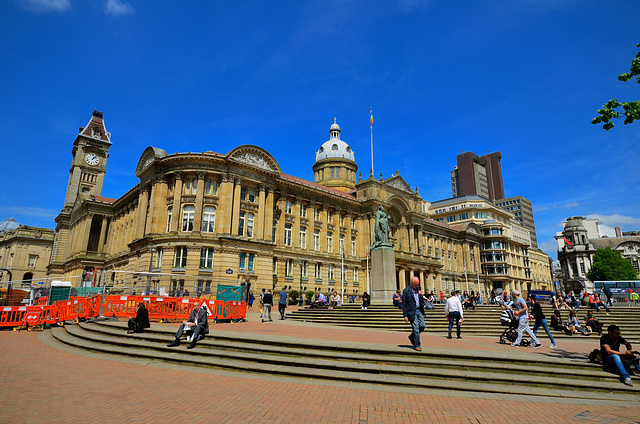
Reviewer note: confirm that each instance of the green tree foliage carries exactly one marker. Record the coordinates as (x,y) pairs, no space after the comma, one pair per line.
(630,110)
(609,265)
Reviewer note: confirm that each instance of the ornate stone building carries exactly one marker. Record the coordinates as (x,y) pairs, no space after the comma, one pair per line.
(199,219)
(25,251)
(577,245)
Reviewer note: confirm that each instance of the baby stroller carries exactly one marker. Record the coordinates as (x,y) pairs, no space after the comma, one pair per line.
(510,334)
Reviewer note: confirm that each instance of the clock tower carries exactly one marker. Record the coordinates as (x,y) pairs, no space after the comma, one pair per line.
(90,153)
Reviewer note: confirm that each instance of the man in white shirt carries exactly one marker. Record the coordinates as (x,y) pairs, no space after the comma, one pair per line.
(453,310)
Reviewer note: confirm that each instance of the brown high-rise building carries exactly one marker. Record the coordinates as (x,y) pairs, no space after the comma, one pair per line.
(481,176)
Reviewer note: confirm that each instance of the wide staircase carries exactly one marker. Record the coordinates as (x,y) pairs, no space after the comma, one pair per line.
(483,321)
(555,374)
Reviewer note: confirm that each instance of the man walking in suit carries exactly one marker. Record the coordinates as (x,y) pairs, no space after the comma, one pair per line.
(413,311)
(197,323)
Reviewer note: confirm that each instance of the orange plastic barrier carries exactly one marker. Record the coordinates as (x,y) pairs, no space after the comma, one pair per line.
(160,308)
(236,310)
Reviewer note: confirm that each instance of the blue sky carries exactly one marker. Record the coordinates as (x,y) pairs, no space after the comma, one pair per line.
(523,77)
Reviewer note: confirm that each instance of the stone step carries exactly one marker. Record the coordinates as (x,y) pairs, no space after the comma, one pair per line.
(361,363)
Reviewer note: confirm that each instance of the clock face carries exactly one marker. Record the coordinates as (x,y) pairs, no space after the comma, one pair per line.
(92,159)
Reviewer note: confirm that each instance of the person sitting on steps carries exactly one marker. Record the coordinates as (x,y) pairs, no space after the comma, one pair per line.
(197,324)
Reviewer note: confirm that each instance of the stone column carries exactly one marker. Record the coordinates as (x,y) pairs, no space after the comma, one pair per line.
(295,232)
(143,202)
(197,219)
(412,245)
(225,204)
(85,232)
(235,214)
(259,223)
(268,215)
(103,235)
(177,196)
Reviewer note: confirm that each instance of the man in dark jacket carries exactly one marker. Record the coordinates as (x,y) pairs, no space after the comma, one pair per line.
(197,323)
(413,311)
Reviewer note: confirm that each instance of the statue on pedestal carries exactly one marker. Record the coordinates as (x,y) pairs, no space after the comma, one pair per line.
(381,230)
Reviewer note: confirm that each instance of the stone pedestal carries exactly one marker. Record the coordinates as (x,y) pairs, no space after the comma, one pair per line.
(383,276)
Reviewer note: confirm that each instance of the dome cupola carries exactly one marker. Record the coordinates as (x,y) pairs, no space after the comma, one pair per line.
(335,164)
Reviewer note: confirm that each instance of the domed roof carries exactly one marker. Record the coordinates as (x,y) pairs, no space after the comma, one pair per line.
(8,225)
(574,223)
(334,147)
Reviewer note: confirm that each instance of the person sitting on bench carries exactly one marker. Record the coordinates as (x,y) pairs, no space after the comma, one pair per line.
(197,324)
(141,321)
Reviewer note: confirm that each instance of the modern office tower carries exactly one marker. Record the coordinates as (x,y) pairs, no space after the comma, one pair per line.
(478,175)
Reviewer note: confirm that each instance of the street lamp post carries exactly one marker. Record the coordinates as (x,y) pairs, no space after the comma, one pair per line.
(147,289)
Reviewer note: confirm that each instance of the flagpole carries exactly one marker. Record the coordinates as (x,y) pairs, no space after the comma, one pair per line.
(371,131)
(342,273)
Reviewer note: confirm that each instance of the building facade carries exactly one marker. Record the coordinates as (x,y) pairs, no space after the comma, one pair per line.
(523,212)
(481,176)
(508,260)
(24,251)
(198,219)
(577,245)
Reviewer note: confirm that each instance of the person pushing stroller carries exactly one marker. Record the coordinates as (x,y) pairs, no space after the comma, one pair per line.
(522,314)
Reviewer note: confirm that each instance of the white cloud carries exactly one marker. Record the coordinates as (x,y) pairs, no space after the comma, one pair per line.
(550,247)
(616,220)
(118,8)
(27,211)
(47,5)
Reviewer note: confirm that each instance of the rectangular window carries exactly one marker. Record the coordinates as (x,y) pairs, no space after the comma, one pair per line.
(355,274)
(288,207)
(208,219)
(274,266)
(180,260)
(206,258)
(342,246)
(159,255)
(188,213)
(241,224)
(353,246)
(330,242)
(316,214)
(250,264)
(341,220)
(169,213)
(316,239)
(250,225)
(303,237)
(246,261)
(32,261)
(211,187)
(330,272)
(288,268)
(247,194)
(304,269)
(353,222)
(287,234)
(318,271)
(330,217)
(303,211)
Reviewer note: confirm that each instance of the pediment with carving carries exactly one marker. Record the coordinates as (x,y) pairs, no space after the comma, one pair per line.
(256,157)
(399,183)
(149,155)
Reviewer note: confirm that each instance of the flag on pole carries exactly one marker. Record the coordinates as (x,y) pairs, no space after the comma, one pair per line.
(372,117)
(567,241)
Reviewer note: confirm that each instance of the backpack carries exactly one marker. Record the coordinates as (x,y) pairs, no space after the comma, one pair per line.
(595,357)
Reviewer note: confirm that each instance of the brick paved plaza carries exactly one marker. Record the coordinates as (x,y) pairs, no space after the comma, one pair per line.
(41,383)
